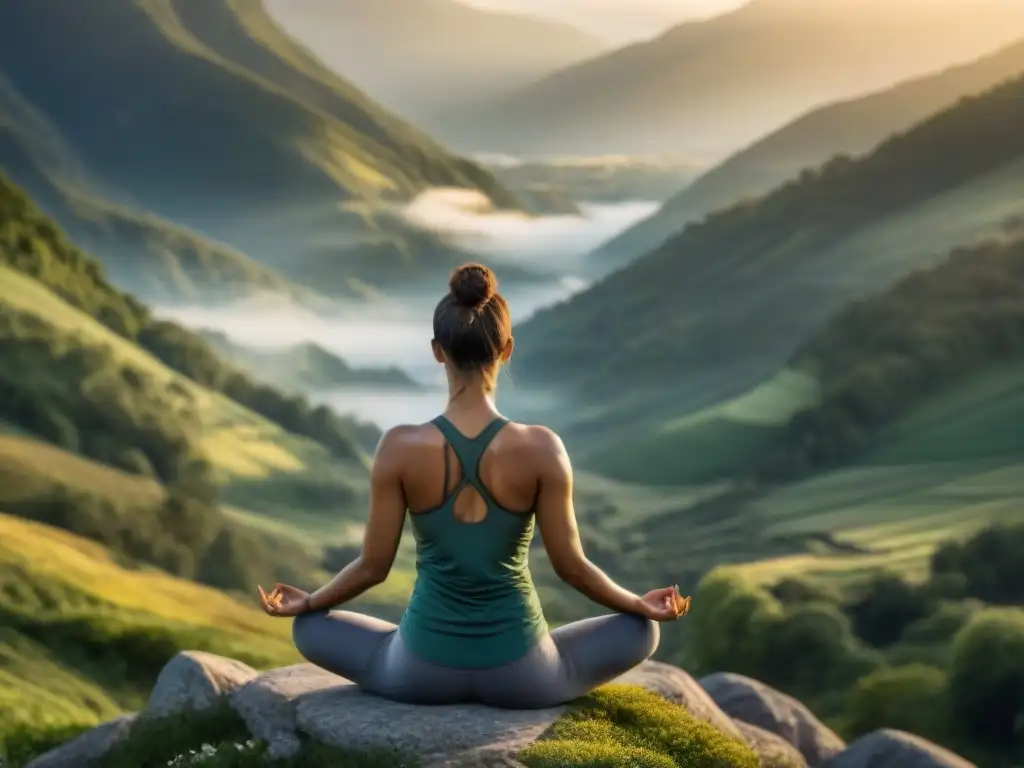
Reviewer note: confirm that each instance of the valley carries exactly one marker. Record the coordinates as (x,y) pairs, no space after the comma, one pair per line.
(780,329)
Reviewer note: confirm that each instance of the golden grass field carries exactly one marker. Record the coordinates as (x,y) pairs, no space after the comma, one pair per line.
(71,580)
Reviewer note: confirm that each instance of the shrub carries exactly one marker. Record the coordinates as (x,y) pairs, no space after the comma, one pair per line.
(796,590)
(886,606)
(811,648)
(912,698)
(729,617)
(987,675)
(941,626)
(989,564)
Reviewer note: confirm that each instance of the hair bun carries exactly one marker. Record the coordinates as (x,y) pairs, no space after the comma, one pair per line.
(473,285)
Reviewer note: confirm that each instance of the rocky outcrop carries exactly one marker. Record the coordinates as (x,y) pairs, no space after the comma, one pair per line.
(196,680)
(89,746)
(896,749)
(279,705)
(772,750)
(268,704)
(758,704)
(463,735)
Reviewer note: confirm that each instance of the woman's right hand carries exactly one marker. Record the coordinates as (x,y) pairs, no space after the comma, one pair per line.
(664,604)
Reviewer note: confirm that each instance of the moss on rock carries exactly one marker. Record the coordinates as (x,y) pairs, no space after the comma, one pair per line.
(621,726)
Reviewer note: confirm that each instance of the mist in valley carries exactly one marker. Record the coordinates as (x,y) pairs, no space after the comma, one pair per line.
(395,331)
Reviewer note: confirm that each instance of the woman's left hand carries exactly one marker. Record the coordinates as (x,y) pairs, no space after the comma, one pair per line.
(284,601)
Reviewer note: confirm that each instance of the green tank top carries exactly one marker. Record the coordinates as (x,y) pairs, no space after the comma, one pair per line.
(474,604)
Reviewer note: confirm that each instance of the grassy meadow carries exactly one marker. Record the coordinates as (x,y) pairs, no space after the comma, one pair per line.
(85,635)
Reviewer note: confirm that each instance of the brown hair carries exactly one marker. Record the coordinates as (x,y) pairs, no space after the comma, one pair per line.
(472,322)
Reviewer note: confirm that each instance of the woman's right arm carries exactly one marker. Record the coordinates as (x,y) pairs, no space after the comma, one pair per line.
(556,518)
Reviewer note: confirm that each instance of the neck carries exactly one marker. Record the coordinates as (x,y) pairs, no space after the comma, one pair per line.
(468,395)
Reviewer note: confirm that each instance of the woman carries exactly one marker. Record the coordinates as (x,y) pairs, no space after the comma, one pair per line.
(473,484)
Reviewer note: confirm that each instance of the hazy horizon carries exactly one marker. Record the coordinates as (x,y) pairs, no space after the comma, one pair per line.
(614,21)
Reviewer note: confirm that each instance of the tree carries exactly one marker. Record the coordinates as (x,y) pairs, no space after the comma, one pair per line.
(911,698)
(987,675)
(885,608)
(730,615)
(989,564)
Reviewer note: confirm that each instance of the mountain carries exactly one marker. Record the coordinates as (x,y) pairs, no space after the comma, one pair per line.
(306,366)
(207,115)
(676,362)
(707,88)
(935,329)
(850,127)
(422,58)
(151,257)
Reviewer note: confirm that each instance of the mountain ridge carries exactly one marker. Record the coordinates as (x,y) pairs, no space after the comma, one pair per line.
(708,87)
(848,127)
(451,53)
(719,308)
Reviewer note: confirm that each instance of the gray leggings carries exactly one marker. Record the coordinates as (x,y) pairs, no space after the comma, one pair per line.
(569,662)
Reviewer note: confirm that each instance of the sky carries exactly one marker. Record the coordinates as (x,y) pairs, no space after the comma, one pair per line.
(617,21)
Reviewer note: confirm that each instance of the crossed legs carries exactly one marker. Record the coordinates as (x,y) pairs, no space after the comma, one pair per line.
(569,662)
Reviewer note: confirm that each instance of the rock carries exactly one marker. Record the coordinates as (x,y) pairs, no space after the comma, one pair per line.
(773,750)
(680,688)
(758,704)
(90,745)
(463,735)
(279,704)
(267,704)
(194,679)
(896,749)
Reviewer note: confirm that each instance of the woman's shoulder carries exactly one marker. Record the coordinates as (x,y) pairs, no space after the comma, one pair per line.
(408,436)
(515,436)
(535,436)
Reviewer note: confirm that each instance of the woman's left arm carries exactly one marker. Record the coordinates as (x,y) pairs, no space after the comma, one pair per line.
(381,536)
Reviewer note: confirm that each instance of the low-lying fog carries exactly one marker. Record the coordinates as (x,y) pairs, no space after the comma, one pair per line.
(398,333)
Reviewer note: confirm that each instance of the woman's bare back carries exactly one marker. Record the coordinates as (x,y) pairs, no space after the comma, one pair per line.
(508,469)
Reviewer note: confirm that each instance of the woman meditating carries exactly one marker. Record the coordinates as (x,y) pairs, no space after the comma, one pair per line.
(473,484)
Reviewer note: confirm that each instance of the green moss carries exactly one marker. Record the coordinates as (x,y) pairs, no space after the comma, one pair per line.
(622,726)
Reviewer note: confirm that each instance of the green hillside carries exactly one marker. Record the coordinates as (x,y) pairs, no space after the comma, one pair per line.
(707,88)
(207,115)
(882,355)
(910,434)
(89,368)
(720,308)
(71,612)
(850,127)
